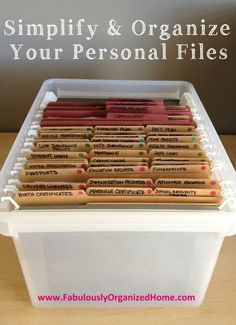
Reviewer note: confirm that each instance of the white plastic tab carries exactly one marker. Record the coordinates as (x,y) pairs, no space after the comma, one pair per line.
(33,133)
(10,189)
(10,199)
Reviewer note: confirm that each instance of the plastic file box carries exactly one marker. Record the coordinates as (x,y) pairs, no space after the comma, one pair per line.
(118,250)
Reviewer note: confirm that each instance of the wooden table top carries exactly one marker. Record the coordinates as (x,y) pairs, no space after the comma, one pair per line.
(219,306)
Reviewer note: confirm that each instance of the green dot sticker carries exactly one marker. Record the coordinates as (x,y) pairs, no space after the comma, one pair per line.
(87,145)
(141,139)
(199,154)
(81,155)
(194,138)
(140,153)
(141,145)
(195,146)
(90,135)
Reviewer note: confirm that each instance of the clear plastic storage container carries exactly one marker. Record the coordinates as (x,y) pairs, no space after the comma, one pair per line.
(124,250)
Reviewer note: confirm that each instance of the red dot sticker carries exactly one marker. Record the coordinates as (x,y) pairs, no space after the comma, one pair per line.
(149,182)
(213,193)
(81,187)
(79,171)
(80,192)
(83,166)
(149,191)
(203,167)
(142,169)
(213,182)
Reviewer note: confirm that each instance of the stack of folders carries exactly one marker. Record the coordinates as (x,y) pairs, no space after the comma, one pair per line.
(117,151)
